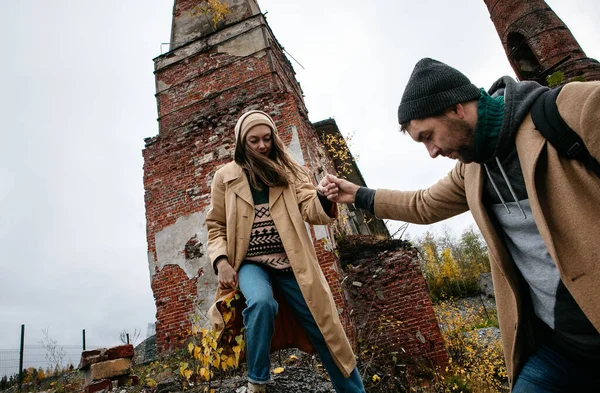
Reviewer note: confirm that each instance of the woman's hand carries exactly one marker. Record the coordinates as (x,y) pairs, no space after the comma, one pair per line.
(326,186)
(227,275)
(338,190)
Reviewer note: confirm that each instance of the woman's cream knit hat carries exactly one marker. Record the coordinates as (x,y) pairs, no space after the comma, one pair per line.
(251,119)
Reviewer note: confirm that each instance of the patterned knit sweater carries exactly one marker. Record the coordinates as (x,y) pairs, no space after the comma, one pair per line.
(265,245)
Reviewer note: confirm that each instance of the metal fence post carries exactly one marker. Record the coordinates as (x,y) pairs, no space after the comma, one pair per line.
(21,356)
(84,339)
(127,338)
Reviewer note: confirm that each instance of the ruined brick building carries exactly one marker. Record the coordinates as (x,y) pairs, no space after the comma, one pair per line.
(537,43)
(210,76)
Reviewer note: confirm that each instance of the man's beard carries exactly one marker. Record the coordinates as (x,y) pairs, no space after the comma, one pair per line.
(465,135)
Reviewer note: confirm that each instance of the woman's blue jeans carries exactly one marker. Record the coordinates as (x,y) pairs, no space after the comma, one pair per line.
(257,286)
(549,372)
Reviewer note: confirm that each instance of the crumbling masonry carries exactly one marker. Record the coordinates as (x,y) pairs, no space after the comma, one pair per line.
(537,43)
(209,77)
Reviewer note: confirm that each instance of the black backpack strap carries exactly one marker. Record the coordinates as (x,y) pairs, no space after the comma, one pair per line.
(551,125)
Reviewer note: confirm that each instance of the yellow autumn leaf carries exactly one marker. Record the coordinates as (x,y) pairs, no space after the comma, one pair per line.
(278,370)
(150,383)
(293,357)
(226,317)
(188,374)
(206,373)
(376,378)
(197,352)
(190,347)
(182,368)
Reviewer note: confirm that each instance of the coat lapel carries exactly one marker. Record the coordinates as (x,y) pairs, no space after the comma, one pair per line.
(530,144)
(475,189)
(274,194)
(239,184)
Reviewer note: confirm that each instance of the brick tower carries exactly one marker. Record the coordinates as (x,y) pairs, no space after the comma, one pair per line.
(210,76)
(538,43)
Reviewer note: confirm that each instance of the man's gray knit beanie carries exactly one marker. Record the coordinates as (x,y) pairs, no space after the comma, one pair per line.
(433,87)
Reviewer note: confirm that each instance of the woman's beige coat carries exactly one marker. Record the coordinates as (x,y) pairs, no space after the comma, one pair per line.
(229,223)
(565,200)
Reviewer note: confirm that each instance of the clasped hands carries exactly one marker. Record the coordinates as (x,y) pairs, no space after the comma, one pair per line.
(337,190)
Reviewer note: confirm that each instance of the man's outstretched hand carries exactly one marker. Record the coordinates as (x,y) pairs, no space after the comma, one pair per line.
(338,190)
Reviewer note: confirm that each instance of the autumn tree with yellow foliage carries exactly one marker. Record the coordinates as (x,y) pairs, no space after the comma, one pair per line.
(452,266)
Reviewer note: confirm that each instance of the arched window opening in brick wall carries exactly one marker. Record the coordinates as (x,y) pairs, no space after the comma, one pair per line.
(522,57)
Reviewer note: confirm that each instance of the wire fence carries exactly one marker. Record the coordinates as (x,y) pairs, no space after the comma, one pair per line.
(38,356)
(47,356)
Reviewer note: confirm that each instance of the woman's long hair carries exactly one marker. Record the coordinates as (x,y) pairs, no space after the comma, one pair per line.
(276,169)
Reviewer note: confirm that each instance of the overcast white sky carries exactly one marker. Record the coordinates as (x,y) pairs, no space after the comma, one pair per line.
(78,101)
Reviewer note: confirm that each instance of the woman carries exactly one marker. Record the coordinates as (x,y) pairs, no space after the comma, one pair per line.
(257,239)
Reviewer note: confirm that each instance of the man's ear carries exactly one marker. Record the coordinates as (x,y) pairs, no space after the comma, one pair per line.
(460,110)
(455,111)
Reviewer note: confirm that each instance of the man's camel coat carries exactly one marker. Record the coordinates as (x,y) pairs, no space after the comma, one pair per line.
(565,200)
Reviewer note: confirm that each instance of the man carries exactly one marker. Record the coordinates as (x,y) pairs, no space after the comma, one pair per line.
(538,211)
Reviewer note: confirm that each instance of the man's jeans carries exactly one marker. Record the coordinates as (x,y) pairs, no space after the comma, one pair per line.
(549,372)
(256,285)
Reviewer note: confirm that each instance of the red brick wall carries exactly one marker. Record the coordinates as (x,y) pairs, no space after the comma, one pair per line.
(174,296)
(392,310)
